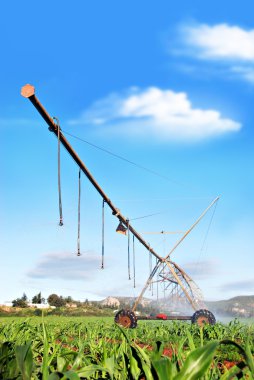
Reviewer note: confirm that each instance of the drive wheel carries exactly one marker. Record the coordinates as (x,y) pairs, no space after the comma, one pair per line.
(203,317)
(126,318)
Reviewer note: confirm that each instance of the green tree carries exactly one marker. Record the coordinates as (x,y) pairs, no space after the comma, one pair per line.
(68,299)
(24,297)
(37,298)
(19,302)
(55,300)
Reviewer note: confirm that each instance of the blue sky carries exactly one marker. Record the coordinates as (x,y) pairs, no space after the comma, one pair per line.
(168,86)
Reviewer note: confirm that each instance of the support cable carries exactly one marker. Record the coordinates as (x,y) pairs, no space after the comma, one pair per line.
(206,235)
(129,265)
(157,289)
(79,196)
(134,261)
(147,216)
(124,159)
(59,173)
(150,268)
(102,235)
(209,227)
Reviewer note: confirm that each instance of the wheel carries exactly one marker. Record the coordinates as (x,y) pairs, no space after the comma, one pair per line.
(126,318)
(202,317)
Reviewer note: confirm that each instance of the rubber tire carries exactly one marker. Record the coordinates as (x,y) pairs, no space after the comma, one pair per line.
(126,318)
(202,317)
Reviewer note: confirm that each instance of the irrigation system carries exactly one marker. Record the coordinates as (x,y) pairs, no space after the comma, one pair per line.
(175,280)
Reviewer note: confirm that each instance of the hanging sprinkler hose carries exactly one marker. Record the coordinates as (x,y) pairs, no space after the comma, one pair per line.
(59,173)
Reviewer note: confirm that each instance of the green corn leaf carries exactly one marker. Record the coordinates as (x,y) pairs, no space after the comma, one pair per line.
(54,376)
(90,370)
(6,354)
(145,361)
(12,370)
(197,362)
(245,353)
(61,364)
(201,331)
(79,361)
(249,357)
(45,361)
(158,350)
(24,358)
(190,340)
(229,374)
(8,361)
(163,368)
(134,355)
(134,368)
(124,333)
(71,375)
(109,364)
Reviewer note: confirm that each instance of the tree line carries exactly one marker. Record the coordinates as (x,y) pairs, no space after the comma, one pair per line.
(52,300)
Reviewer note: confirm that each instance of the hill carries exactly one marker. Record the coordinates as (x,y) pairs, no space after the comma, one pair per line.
(239,306)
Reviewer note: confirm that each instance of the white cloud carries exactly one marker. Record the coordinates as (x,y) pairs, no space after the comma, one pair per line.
(156,113)
(246,72)
(64,266)
(230,46)
(221,41)
(246,285)
(202,269)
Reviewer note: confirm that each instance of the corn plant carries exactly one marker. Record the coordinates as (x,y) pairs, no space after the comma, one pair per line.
(72,348)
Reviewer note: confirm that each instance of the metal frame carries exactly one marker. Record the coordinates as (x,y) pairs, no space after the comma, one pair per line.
(168,271)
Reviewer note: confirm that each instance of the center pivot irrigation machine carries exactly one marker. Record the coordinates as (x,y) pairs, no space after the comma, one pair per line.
(177,283)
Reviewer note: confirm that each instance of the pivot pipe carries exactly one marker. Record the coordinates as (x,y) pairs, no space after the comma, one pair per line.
(28,91)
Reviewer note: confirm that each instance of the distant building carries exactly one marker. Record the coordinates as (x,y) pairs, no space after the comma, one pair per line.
(7,303)
(39,305)
(71,305)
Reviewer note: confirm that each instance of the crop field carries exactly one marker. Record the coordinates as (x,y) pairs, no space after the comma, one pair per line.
(53,348)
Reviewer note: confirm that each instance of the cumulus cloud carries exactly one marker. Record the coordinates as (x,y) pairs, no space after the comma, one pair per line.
(153,112)
(64,266)
(221,41)
(231,46)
